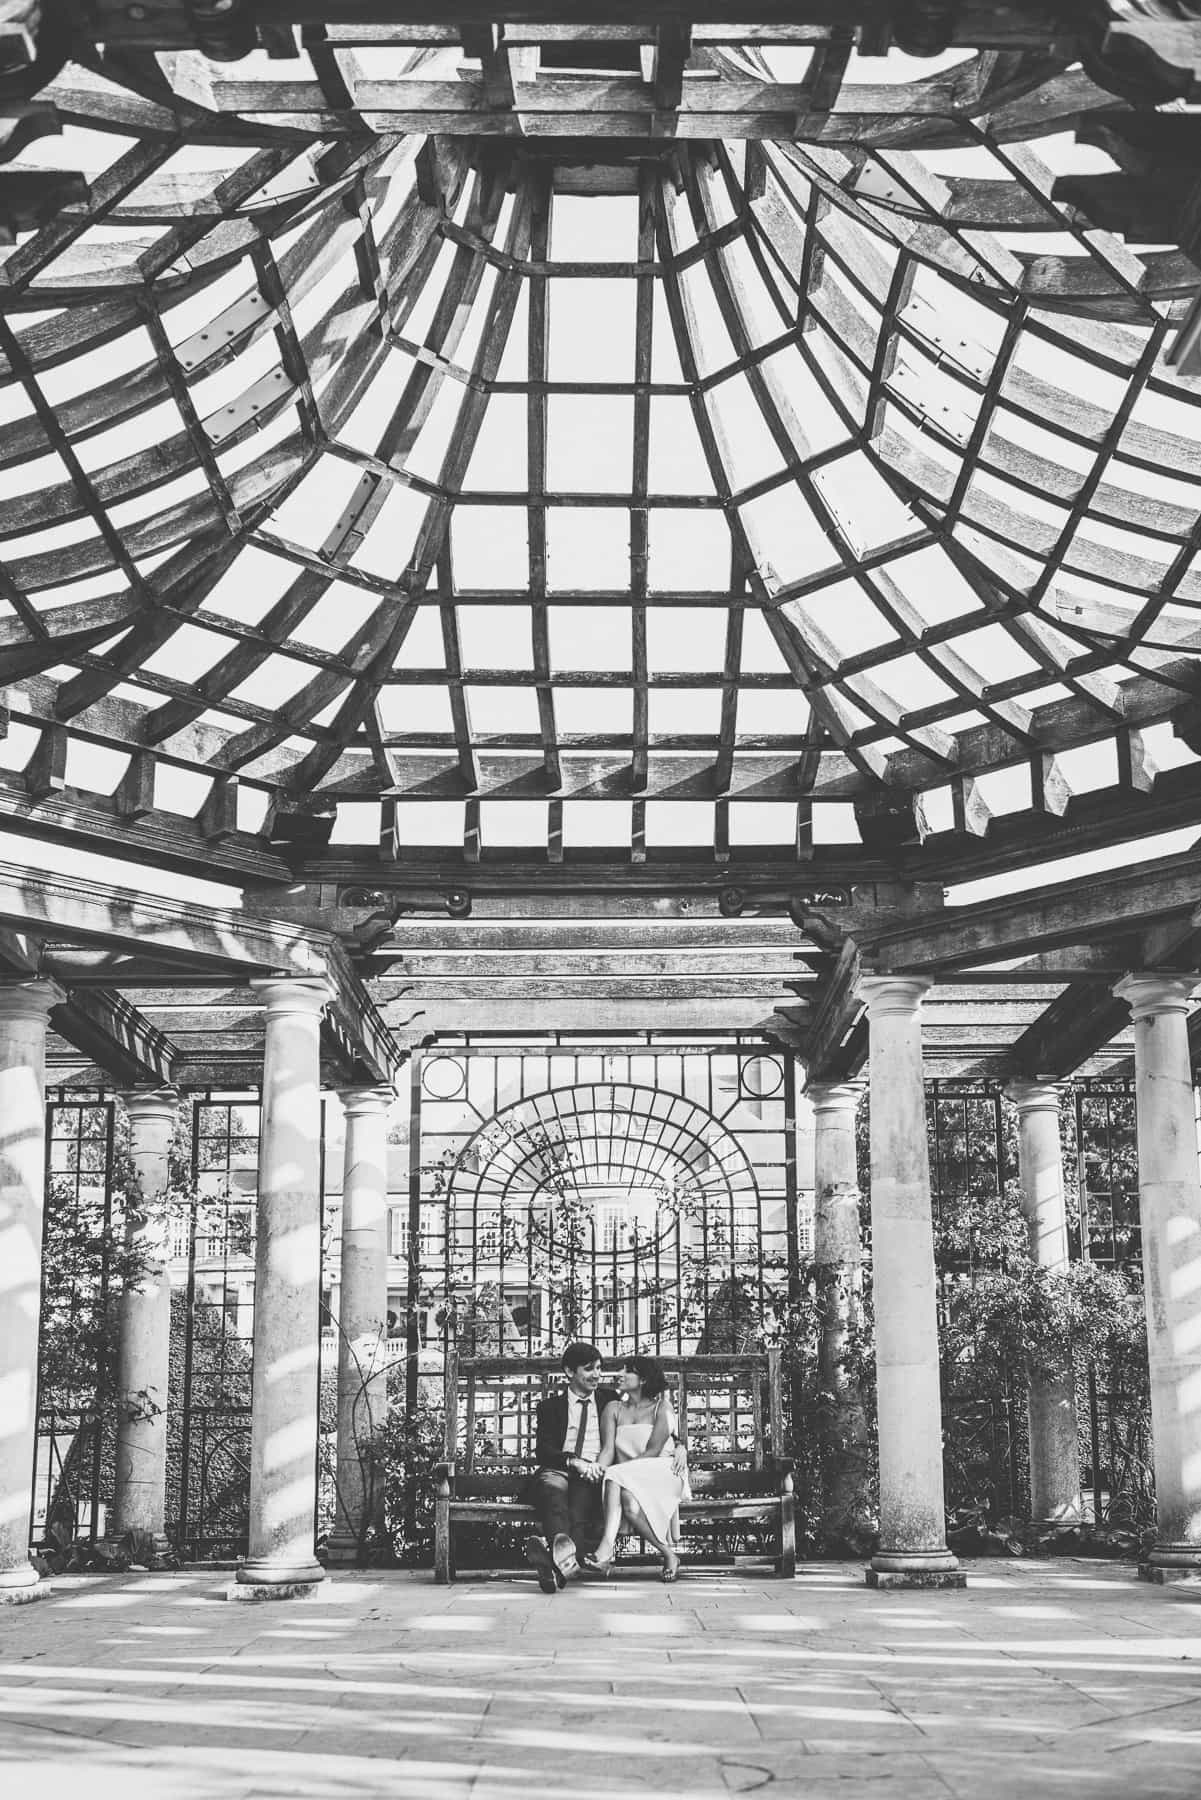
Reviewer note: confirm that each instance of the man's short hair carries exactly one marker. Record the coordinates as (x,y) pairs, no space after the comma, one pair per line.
(580,1356)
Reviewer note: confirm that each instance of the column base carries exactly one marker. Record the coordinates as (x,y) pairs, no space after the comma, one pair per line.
(889,1579)
(252,1591)
(21,1587)
(1170,1563)
(259,1579)
(915,1569)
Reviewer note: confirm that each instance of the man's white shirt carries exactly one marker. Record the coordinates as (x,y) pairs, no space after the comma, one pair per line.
(592,1438)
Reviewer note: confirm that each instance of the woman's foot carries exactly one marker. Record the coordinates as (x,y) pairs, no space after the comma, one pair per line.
(600,1560)
(671,1566)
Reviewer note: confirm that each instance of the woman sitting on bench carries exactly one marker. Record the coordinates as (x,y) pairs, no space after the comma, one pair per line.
(640,1484)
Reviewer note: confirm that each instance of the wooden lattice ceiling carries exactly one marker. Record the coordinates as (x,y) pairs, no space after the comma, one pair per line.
(785,479)
(613,471)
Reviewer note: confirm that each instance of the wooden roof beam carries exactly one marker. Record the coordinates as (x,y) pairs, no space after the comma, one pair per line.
(835,1043)
(107,1029)
(95,912)
(1133,898)
(127,828)
(1076,1025)
(357,1027)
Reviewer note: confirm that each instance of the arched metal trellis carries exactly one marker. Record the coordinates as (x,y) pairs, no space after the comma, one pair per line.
(632,1213)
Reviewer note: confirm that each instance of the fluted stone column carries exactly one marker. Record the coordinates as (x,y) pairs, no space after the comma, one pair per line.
(1169,1194)
(362,1319)
(25,1005)
(1051,1402)
(287,1297)
(913,1547)
(144,1343)
(838,1274)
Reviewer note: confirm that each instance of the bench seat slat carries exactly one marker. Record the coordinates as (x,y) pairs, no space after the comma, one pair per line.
(704,1483)
(481,1511)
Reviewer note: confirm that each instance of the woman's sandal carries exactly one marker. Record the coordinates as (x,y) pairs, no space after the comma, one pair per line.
(595,1566)
(670,1570)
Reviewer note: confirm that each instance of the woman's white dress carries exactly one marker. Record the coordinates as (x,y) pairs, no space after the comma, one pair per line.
(649,1479)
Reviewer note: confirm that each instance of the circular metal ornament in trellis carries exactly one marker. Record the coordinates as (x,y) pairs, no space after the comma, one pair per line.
(444,1077)
(762,1077)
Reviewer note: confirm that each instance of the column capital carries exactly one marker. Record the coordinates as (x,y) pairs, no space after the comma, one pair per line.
(834,1096)
(366,1102)
(892,993)
(29,996)
(1033,1096)
(150,1103)
(1151,992)
(308,995)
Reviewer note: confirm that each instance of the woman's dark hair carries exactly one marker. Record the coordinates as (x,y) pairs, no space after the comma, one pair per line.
(650,1374)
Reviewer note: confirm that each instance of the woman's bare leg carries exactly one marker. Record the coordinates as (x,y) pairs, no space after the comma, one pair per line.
(642,1525)
(611,1498)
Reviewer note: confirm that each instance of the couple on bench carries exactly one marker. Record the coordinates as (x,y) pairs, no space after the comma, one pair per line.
(605,1454)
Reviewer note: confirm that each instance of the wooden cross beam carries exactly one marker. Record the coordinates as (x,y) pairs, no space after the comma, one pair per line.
(106,1028)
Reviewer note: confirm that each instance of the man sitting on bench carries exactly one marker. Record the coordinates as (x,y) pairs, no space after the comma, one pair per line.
(565,1490)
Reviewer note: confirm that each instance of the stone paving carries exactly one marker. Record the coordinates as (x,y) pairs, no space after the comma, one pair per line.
(1041,1680)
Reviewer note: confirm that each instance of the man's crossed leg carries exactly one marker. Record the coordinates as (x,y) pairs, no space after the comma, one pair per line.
(569,1511)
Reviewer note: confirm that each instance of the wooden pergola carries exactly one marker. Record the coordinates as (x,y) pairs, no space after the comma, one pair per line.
(601,524)
(667,673)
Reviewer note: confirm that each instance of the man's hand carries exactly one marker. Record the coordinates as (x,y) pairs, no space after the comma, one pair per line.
(587,1471)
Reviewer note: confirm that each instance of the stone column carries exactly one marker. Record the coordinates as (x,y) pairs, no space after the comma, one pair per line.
(287,1297)
(1169,1195)
(144,1344)
(913,1547)
(838,1273)
(362,1320)
(25,1005)
(1051,1402)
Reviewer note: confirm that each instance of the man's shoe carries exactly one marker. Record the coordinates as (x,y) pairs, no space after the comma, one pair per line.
(537,1554)
(564,1557)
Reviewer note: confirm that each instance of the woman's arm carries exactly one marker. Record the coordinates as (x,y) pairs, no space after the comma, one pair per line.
(662,1428)
(608,1449)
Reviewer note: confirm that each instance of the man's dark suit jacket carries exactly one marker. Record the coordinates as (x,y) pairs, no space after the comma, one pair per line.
(551,1426)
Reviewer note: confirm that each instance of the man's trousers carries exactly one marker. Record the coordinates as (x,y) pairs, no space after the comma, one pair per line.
(565,1502)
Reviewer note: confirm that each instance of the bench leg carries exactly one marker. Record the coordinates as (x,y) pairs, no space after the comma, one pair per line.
(787,1563)
(443,1567)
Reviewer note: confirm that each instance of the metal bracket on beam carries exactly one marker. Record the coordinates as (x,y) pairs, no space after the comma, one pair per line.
(453,903)
(222,336)
(733,902)
(248,407)
(223,31)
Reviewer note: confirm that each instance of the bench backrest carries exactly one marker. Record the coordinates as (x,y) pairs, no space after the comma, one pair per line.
(728,1409)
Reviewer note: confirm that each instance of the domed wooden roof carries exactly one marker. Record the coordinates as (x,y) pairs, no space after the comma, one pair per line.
(377,473)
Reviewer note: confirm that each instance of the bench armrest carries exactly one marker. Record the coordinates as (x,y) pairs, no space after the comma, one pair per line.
(444,1477)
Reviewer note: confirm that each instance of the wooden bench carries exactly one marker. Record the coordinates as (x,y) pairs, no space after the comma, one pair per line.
(730,1418)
